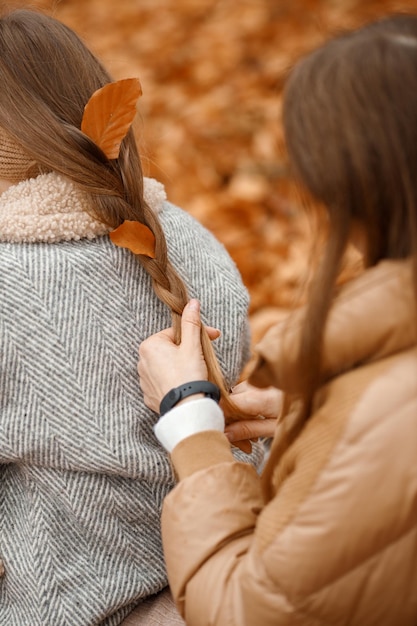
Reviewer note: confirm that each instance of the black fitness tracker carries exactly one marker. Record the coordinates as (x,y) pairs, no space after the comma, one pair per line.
(210,390)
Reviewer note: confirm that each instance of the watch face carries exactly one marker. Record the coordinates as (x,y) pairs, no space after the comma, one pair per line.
(174,395)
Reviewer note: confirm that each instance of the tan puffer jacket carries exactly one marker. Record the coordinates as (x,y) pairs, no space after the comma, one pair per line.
(336,541)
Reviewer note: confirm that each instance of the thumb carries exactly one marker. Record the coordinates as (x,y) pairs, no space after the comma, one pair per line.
(191,325)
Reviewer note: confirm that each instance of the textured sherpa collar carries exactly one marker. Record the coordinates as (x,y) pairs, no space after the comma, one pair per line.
(50,208)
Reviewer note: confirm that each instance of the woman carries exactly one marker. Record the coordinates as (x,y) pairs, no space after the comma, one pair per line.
(82,477)
(328,534)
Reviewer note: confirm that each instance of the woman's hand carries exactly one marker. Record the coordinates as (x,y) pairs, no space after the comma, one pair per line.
(164,365)
(261,405)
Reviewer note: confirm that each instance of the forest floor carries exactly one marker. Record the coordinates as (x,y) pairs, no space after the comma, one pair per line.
(212,73)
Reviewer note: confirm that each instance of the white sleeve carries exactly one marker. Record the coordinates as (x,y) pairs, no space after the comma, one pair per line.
(186,419)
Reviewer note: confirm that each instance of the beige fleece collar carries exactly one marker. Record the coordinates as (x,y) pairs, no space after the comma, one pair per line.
(49,208)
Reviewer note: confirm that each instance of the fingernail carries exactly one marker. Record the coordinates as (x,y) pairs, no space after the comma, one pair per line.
(194,305)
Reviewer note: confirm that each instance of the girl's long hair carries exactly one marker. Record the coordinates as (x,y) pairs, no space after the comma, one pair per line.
(350,121)
(47,76)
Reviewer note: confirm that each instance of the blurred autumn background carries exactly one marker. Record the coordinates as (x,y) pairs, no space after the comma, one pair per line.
(212,73)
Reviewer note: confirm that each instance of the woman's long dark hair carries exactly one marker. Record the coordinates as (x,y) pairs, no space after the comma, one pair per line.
(350,121)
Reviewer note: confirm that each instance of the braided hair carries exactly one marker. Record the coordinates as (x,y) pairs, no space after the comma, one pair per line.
(48,75)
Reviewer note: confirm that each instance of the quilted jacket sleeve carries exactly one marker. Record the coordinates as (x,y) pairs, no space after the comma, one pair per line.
(208,568)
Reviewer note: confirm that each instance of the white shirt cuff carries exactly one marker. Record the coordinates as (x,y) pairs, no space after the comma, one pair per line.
(186,419)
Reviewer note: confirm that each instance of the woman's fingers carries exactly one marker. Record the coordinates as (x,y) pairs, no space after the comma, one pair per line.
(252,401)
(191,326)
(250,429)
(213,333)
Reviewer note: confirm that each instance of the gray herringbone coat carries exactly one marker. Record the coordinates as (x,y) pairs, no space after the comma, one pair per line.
(82,475)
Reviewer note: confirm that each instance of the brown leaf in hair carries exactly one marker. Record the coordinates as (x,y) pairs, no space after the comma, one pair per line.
(134,236)
(109,114)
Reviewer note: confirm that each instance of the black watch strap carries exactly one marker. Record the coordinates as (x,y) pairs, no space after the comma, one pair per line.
(173,396)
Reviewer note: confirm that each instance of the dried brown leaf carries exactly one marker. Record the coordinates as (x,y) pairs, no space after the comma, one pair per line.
(109,114)
(136,237)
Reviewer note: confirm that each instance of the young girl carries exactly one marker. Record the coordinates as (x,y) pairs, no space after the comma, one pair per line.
(82,477)
(328,535)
